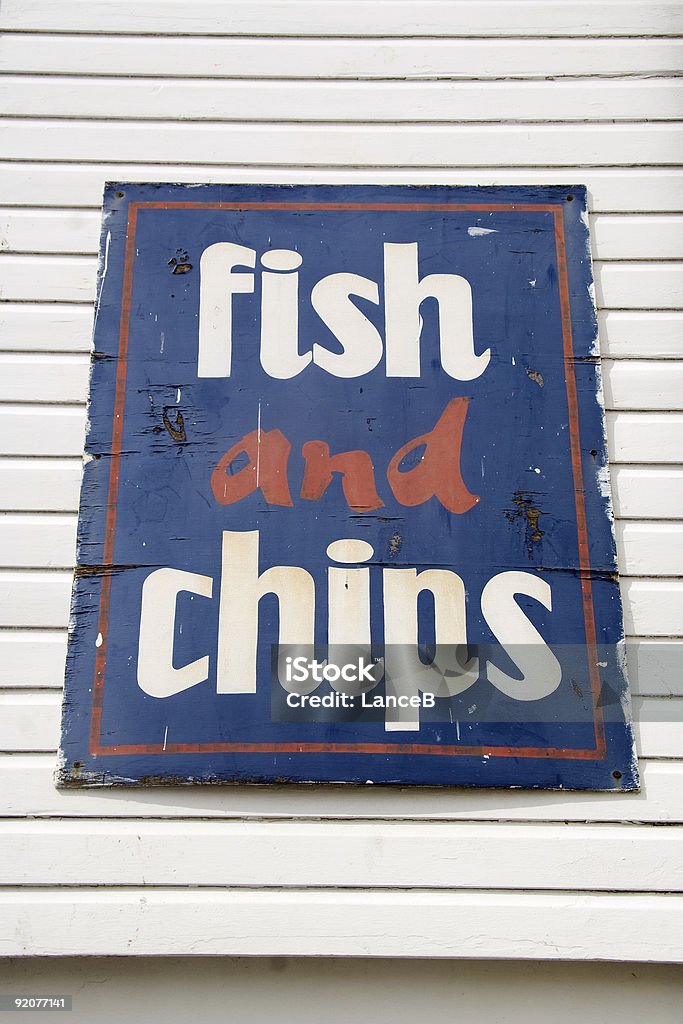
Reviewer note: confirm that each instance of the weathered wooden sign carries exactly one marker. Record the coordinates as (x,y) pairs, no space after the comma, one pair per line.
(345,512)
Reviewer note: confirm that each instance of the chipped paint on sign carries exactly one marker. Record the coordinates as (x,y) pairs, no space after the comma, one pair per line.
(345,515)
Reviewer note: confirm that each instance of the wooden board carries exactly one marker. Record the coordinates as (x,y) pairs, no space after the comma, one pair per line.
(322,59)
(394,18)
(610,189)
(329,102)
(34,660)
(77,231)
(27,780)
(362,923)
(422,145)
(594,751)
(72,279)
(30,722)
(48,542)
(343,855)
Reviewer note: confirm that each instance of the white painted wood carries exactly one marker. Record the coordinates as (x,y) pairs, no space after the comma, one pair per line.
(647,335)
(652,607)
(658,726)
(612,190)
(53,485)
(32,660)
(639,285)
(48,279)
(46,542)
(639,492)
(37,378)
(636,237)
(300,17)
(31,720)
(637,384)
(49,231)
(65,327)
(31,430)
(28,788)
(374,145)
(645,437)
(396,59)
(650,549)
(35,660)
(639,437)
(299,923)
(39,541)
(634,384)
(188,61)
(655,667)
(73,278)
(50,485)
(647,493)
(30,599)
(255,101)
(53,327)
(78,231)
(434,855)
(64,378)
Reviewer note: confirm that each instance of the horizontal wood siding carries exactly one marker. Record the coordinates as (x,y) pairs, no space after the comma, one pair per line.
(494,92)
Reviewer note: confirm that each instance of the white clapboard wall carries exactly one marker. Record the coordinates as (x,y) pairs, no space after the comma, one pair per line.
(386,91)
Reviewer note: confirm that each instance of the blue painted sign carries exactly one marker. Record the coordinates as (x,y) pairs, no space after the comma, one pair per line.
(345,512)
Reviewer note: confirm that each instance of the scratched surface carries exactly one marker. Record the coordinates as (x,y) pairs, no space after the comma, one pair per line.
(532,454)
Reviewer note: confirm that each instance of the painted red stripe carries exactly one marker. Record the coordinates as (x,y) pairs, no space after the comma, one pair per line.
(114,471)
(348,748)
(410,207)
(579,496)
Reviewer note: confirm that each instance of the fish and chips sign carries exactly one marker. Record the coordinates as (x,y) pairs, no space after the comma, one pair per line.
(345,513)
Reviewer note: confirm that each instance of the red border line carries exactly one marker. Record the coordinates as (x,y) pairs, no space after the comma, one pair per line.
(570,754)
(596,753)
(390,207)
(579,492)
(114,470)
